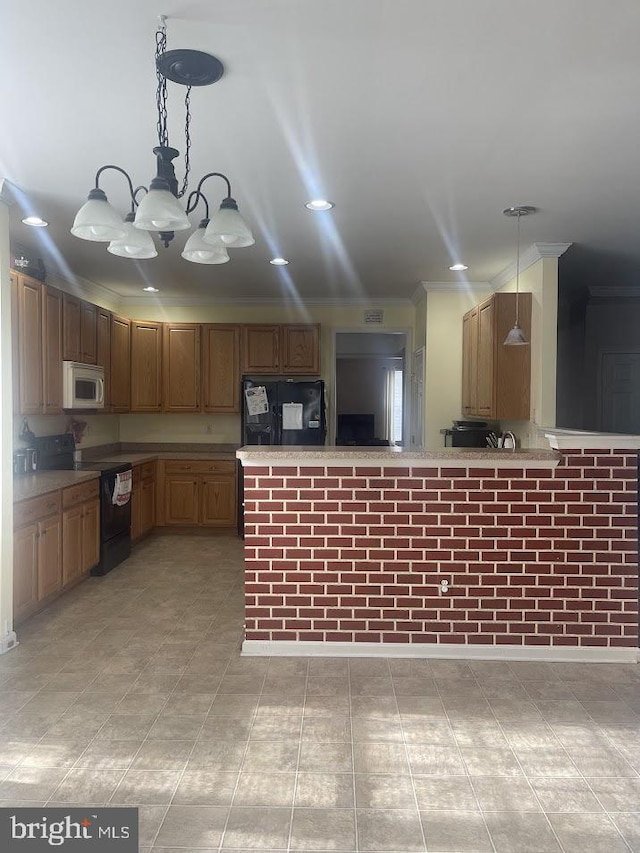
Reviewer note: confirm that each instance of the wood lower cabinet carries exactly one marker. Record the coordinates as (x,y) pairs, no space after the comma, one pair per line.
(37,554)
(496,379)
(80,531)
(146,366)
(181,367)
(143,500)
(220,368)
(120,374)
(200,494)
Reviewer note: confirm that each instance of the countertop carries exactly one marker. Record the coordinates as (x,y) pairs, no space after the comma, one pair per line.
(27,486)
(464,457)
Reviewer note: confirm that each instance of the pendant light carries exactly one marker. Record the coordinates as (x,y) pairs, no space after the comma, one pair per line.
(159,210)
(516,337)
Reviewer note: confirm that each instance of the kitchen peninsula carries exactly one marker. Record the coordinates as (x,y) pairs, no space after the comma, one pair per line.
(449,553)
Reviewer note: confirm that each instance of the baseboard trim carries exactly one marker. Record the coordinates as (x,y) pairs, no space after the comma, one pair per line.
(556,654)
(8,642)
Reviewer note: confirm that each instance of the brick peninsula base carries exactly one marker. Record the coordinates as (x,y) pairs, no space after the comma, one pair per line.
(451,553)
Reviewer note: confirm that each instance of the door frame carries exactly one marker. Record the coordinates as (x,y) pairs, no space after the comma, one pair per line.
(332,414)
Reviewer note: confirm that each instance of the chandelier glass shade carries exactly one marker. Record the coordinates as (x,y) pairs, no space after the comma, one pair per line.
(159,209)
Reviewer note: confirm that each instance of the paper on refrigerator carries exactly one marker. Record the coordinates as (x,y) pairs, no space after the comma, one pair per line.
(292,416)
(257,402)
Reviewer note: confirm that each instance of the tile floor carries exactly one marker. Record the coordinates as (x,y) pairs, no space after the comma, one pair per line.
(131,690)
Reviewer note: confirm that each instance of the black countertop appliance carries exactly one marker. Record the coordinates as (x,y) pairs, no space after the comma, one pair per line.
(56,453)
(467,434)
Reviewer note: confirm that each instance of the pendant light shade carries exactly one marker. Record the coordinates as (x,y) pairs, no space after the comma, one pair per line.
(516,337)
(229,226)
(160,210)
(198,251)
(97,220)
(134,244)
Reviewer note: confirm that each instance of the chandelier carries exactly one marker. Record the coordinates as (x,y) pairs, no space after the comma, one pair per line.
(156,209)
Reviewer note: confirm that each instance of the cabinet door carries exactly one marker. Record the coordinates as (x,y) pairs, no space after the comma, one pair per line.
(15,344)
(181,499)
(120,365)
(103,353)
(218,500)
(136,514)
(470,362)
(25,571)
(512,363)
(300,350)
(30,345)
(49,556)
(71,326)
(486,336)
(261,349)
(51,350)
(147,506)
(71,544)
(221,368)
(90,535)
(181,367)
(88,332)
(146,367)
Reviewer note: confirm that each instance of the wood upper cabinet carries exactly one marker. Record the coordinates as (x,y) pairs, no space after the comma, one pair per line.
(29,298)
(496,379)
(71,326)
(79,326)
(88,333)
(181,367)
(51,351)
(103,352)
(300,349)
(260,349)
(15,342)
(220,368)
(120,373)
(284,349)
(470,362)
(146,366)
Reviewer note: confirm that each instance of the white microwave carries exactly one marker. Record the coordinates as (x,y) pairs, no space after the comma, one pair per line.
(82,386)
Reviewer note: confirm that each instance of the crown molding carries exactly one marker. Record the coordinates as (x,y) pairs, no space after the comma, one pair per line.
(203,301)
(428,286)
(530,256)
(6,194)
(76,285)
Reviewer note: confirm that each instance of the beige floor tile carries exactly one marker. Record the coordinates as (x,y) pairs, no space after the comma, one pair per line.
(506,793)
(490,761)
(428,760)
(444,792)
(380,758)
(84,785)
(377,791)
(257,828)
(457,832)
(192,826)
(324,790)
(265,789)
(521,832)
(323,829)
(163,755)
(109,754)
(617,795)
(205,788)
(153,787)
(324,729)
(275,756)
(31,783)
(326,757)
(396,829)
(593,832)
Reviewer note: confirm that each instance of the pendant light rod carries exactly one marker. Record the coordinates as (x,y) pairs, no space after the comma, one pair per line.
(215,175)
(516,336)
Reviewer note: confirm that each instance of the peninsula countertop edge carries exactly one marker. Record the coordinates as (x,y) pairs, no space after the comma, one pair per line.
(390,457)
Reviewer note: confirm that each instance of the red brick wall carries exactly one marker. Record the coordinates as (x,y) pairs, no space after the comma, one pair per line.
(538,557)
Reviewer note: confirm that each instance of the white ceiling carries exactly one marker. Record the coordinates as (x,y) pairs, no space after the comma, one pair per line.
(420,119)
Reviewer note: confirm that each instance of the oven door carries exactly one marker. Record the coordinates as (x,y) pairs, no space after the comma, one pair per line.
(115,519)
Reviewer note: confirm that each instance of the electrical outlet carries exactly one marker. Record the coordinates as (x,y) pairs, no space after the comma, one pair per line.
(208,430)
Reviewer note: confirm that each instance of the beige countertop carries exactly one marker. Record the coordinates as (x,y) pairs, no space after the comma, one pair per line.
(463,457)
(28,486)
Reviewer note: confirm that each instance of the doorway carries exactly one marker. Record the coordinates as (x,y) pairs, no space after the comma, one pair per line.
(371,399)
(619,392)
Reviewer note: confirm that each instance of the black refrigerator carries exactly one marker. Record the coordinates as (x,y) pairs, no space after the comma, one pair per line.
(280,411)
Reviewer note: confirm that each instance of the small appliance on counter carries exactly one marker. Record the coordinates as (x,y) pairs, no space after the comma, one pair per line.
(25,460)
(468,434)
(57,453)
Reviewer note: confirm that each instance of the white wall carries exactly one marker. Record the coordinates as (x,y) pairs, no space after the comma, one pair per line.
(6,444)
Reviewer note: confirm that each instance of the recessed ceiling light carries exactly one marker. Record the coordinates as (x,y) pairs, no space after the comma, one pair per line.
(458,267)
(35,222)
(319,204)
(151,289)
(279,262)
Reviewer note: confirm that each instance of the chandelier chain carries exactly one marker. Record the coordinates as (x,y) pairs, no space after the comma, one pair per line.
(187,140)
(161,94)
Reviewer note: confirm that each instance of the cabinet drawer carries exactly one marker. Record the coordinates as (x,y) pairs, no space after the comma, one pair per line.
(27,511)
(148,471)
(80,493)
(200,467)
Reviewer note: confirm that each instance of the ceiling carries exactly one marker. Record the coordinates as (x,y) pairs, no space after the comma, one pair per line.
(420,119)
